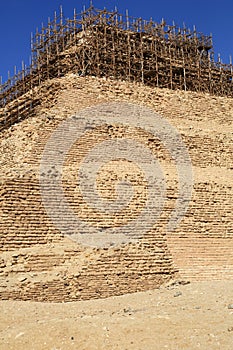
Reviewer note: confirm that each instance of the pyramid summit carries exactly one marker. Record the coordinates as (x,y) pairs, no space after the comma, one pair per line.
(108,44)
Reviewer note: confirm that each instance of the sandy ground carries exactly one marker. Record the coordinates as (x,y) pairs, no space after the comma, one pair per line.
(190,316)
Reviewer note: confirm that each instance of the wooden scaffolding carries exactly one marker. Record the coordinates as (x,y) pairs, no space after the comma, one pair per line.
(106,43)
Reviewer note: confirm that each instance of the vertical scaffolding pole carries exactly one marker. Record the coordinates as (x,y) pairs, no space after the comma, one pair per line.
(128,45)
(184,70)
(141,51)
(231,68)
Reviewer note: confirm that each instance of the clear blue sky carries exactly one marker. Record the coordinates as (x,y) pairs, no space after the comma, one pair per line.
(18,18)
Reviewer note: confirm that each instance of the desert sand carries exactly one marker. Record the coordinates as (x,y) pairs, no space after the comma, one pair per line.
(179,315)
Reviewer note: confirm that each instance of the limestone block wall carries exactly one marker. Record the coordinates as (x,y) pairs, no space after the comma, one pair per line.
(39,263)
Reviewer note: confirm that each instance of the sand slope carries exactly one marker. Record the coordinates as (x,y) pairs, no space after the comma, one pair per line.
(198,318)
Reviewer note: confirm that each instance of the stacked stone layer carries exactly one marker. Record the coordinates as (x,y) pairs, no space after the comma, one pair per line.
(39,263)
